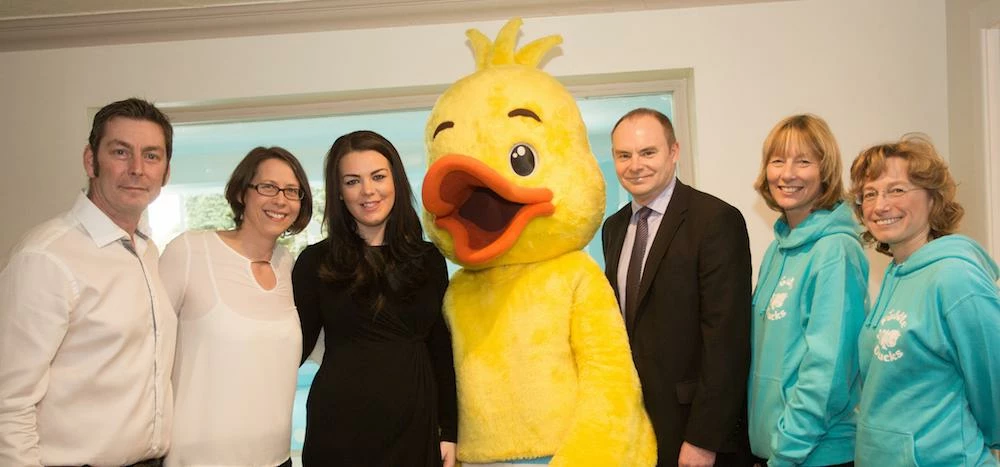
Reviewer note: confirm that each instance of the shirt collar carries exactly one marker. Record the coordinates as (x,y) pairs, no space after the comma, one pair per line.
(658,204)
(99,226)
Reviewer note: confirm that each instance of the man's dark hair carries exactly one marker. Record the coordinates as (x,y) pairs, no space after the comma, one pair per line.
(135,109)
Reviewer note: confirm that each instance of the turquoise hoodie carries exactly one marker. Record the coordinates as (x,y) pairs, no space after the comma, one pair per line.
(930,361)
(809,304)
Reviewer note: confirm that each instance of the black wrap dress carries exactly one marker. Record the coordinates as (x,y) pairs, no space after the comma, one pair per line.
(384,394)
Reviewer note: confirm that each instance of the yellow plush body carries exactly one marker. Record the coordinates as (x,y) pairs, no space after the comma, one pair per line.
(513,193)
(542,368)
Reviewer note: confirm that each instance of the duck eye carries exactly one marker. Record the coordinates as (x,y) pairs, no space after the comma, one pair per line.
(522,159)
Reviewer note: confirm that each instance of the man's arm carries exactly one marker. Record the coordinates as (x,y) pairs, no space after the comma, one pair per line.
(606,243)
(35,298)
(175,271)
(724,294)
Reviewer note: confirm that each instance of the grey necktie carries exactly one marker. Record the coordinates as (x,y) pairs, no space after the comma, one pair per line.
(635,263)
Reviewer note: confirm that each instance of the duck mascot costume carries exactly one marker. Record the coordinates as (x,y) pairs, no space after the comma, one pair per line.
(512,194)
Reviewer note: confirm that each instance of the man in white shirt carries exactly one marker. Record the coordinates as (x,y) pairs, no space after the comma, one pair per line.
(87,331)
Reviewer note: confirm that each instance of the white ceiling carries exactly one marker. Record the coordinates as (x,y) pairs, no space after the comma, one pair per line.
(42,24)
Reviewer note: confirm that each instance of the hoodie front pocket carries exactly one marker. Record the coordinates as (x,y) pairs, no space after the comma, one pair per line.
(767,402)
(883,448)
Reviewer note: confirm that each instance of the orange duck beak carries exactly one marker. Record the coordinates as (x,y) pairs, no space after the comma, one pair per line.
(483,211)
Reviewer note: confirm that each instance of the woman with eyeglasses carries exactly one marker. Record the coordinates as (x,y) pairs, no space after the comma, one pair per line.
(930,348)
(384,394)
(808,305)
(238,342)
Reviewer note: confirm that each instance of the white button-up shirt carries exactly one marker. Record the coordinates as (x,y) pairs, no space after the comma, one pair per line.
(87,339)
(659,207)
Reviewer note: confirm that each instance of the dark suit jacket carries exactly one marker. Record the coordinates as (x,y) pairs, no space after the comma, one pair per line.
(690,335)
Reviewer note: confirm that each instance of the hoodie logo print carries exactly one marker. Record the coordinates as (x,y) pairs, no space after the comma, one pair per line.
(776,307)
(891,328)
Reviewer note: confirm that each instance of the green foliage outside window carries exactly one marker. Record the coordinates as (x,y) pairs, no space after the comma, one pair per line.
(212,212)
(208,212)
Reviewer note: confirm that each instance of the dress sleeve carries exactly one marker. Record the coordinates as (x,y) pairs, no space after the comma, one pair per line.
(973,324)
(37,294)
(829,369)
(305,288)
(439,347)
(175,267)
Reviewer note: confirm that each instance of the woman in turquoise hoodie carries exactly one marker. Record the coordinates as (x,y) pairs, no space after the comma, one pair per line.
(930,349)
(809,304)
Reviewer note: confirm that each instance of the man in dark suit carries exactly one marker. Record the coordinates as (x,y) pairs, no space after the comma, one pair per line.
(688,280)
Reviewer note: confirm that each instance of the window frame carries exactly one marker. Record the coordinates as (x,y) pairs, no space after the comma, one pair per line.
(676,82)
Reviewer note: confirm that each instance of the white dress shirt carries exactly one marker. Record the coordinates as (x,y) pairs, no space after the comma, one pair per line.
(659,206)
(86,345)
(238,348)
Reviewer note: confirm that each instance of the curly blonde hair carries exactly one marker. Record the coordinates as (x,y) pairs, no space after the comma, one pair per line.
(925,169)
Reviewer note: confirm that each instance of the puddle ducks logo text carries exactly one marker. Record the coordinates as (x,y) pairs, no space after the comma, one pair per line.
(776,307)
(890,330)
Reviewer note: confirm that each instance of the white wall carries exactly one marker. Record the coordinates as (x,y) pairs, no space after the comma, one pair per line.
(873,69)
(966,21)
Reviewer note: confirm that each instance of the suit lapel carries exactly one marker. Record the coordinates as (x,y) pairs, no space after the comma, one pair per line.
(671,222)
(617,226)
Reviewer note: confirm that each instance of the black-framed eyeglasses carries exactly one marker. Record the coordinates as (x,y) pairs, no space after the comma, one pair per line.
(270,190)
(869,196)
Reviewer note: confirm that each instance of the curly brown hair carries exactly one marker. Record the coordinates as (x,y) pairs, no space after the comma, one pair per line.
(925,169)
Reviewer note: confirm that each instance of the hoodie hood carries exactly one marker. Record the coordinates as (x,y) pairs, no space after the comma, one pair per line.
(953,246)
(817,225)
(950,246)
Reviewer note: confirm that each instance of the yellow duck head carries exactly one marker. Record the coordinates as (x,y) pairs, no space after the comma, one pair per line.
(511,178)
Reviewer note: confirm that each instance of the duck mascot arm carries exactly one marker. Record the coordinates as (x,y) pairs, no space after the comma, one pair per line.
(608,411)
(512,194)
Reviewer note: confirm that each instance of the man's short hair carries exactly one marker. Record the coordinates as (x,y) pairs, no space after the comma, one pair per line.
(135,109)
(668,126)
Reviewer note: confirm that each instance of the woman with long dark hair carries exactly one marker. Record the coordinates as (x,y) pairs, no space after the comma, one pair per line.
(384,394)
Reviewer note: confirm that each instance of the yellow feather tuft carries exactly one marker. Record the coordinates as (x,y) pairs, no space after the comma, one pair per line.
(481,46)
(489,54)
(531,54)
(503,48)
